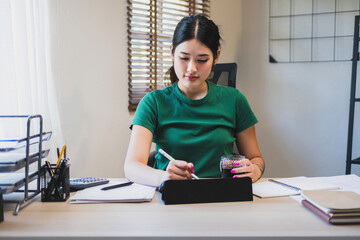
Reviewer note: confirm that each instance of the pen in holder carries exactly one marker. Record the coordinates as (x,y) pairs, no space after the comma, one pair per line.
(55,186)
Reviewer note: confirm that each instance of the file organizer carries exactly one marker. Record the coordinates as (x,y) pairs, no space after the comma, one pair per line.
(15,156)
(55,184)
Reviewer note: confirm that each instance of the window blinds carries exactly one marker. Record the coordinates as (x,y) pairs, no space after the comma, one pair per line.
(150,25)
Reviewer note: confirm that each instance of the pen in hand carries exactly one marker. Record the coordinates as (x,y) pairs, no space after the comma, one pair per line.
(165,154)
(117,186)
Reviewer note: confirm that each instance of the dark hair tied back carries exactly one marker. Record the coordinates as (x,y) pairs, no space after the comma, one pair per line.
(195,27)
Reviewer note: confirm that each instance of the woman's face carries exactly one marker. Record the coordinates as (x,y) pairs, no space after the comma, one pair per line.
(192,64)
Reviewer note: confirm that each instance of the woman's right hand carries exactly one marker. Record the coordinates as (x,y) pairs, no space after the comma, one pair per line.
(178,169)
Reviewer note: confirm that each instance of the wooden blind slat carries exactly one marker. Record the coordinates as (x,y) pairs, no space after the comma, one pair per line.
(150,26)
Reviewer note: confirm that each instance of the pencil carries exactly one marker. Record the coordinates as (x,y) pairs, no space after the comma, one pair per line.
(165,154)
(62,152)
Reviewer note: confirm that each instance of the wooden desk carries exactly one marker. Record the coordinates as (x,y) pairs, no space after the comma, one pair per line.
(262,218)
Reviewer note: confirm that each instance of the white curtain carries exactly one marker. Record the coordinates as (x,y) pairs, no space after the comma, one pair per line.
(26,79)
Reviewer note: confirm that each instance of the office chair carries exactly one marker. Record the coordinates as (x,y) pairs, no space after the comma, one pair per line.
(223,74)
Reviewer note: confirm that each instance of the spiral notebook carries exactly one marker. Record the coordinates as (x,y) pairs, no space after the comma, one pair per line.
(290,186)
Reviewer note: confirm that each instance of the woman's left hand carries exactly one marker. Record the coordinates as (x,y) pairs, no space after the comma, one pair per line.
(247,169)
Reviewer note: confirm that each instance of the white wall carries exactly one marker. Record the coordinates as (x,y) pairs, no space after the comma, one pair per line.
(302,108)
(90,62)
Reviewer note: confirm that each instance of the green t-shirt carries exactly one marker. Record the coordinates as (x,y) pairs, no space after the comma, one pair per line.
(197,131)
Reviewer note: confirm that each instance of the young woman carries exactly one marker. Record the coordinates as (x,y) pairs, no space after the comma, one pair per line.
(193,120)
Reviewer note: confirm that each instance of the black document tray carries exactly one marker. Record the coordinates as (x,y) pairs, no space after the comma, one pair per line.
(207,190)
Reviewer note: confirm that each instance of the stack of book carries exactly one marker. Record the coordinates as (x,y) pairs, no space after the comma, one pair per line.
(335,207)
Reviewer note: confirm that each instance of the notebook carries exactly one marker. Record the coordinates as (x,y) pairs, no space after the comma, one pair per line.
(333,201)
(343,218)
(336,207)
(289,186)
(133,193)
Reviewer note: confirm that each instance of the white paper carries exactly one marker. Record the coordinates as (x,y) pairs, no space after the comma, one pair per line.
(309,183)
(344,182)
(272,189)
(7,145)
(11,157)
(14,157)
(12,178)
(133,193)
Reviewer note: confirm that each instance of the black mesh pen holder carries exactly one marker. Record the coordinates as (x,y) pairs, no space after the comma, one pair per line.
(55,186)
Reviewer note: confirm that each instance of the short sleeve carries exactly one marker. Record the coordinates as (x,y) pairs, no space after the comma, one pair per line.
(146,113)
(245,117)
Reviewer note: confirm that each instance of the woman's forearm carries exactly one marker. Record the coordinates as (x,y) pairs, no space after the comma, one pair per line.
(141,173)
